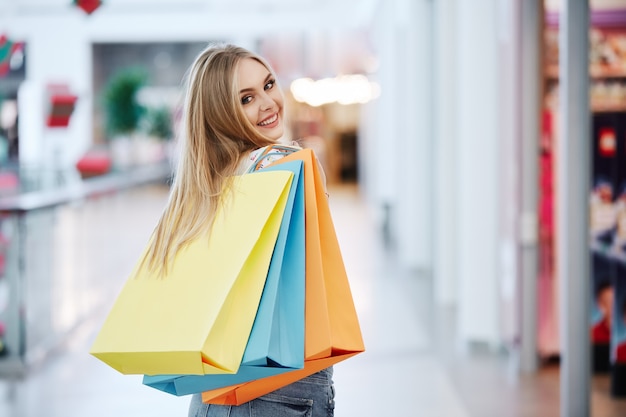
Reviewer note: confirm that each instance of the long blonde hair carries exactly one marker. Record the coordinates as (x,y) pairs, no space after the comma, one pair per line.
(216,136)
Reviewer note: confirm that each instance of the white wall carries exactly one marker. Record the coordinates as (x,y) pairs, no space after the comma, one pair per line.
(509,168)
(445,155)
(397,153)
(477,171)
(56,54)
(435,151)
(414,100)
(379,131)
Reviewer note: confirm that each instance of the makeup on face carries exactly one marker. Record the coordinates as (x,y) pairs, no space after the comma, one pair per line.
(261,98)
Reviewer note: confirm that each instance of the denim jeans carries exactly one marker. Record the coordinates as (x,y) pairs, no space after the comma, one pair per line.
(313,396)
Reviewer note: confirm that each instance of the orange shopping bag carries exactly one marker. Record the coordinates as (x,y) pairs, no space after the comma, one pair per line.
(332,330)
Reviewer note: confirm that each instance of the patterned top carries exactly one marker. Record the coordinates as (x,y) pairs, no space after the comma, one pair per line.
(260,159)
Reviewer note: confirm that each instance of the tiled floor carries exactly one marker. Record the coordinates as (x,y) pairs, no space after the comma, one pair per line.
(406,370)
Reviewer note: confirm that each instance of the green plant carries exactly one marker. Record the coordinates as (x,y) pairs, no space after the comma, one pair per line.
(121,107)
(159,122)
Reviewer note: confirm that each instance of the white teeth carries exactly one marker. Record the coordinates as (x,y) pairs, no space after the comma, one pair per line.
(269,121)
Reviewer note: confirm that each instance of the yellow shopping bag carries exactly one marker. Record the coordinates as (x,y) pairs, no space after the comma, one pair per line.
(197,319)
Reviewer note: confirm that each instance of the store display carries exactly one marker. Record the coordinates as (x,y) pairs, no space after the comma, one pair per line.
(61,105)
(7,48)
(618,342)
(607,67)
(607,196)
(603,226)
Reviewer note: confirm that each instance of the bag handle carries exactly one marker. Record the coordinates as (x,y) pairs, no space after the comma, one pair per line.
(269,151)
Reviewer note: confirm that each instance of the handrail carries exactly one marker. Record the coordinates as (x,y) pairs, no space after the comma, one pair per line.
(103,184)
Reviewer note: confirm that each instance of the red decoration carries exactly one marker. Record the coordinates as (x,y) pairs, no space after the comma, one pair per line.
(62,104)
(7,49)
(607,142)
(88,6)
(94,163)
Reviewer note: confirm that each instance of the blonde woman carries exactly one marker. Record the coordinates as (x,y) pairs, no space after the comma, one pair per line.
(234,108)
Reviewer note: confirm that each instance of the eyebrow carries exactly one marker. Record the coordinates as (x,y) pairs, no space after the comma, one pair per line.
(267,78)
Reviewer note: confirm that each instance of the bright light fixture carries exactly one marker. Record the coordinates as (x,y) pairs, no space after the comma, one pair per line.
(344,89)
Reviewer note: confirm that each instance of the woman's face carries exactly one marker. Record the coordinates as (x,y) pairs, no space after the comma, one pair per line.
(261,98)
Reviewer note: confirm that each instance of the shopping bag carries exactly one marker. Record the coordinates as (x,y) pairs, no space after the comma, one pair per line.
(276,343)
(279,341)
(197,319)
(242,393)
(332,330)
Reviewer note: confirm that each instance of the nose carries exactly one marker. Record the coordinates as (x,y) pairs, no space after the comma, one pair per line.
(267,103)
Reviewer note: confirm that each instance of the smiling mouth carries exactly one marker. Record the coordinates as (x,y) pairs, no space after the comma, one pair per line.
(269,120)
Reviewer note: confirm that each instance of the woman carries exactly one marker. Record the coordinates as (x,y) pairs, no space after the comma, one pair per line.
(233,109)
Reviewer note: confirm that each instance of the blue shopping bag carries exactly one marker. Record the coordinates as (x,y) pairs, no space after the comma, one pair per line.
(276,342)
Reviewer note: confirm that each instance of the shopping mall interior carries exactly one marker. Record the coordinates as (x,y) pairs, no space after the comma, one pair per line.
(475,177)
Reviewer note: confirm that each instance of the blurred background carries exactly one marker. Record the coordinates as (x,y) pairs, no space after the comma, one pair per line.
(437,122)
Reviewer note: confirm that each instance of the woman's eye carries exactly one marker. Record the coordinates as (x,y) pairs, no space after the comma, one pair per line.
(270,84)
(246,99)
